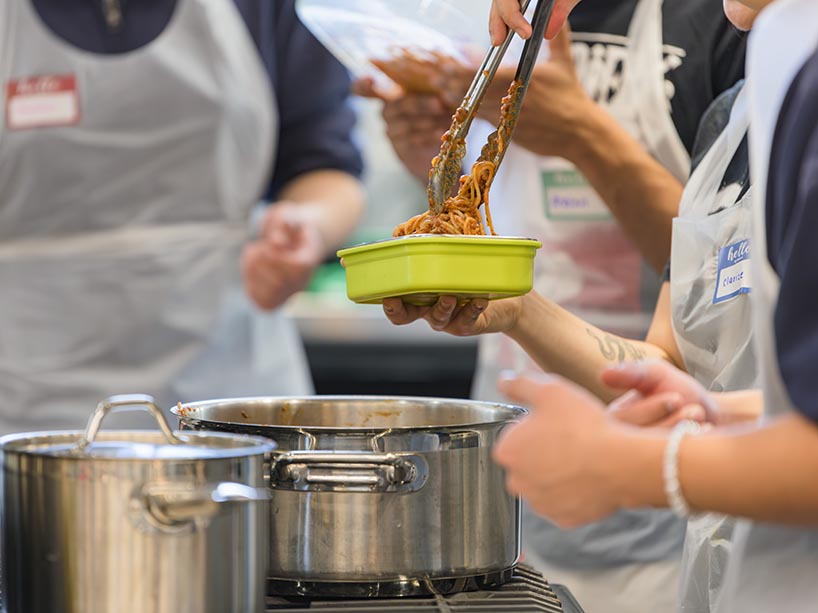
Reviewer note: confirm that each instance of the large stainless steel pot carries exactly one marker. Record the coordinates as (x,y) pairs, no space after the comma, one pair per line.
(389,495)
(134,521)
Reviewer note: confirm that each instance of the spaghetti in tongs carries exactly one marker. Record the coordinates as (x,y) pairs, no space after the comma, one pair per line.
(460,214)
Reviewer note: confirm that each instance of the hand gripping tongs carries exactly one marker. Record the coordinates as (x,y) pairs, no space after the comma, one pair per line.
(447,166)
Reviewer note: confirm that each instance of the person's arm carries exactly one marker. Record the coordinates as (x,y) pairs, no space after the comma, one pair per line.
(766,473)
(640,193)
(562,343)
(559,119)
(595,465)
(315,193)
(556,340)
(330,200)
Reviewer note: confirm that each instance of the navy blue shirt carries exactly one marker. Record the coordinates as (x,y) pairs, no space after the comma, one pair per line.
(311,86)
(792,228)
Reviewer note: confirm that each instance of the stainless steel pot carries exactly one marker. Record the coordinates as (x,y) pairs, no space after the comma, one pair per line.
(134,521)
(379,495)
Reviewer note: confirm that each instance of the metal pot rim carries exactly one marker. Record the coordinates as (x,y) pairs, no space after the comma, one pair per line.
(180,410)
(58,444)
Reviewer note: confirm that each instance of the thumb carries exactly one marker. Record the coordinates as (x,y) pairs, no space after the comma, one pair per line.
(543,391)
(641,376)
(525,390)
(560,47)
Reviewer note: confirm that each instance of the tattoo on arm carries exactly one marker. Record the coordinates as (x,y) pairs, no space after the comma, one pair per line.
(616,349)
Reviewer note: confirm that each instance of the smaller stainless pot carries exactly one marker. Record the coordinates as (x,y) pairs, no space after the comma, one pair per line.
(134,521)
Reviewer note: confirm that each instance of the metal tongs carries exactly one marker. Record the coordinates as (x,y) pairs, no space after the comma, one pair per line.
(441,182)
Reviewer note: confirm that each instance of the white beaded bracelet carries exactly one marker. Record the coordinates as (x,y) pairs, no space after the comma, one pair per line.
(673,488)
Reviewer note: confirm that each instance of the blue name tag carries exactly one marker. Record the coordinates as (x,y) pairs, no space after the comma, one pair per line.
(733,277)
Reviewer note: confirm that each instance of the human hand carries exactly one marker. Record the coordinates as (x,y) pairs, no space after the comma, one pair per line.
(281,261)
(559,457)
(557,114)
(414,126)
(663,410)
(478,316)
(658,384)
(506,14)
(416,120)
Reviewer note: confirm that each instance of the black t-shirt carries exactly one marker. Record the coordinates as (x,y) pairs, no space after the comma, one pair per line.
(703,53)
(792,228)
(712,125)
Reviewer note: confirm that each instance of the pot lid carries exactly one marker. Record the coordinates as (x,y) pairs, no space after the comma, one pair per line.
(137,445)
(152,445)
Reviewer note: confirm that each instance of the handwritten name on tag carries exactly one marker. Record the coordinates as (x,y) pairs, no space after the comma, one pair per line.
(733,277)
(569,197)
(42,102)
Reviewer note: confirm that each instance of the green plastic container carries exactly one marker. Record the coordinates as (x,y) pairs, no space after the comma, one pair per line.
(422,267)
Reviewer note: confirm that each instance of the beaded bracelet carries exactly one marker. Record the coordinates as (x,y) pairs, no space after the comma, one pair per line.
(673,489)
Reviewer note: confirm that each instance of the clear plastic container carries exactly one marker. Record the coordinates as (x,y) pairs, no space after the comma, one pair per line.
(360,31)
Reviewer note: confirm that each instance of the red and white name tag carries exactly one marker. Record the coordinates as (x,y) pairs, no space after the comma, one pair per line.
(42,102)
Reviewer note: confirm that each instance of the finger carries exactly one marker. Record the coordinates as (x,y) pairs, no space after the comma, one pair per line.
(426,129)
(547,392)
(414,107)
(364,87)
(465,323)
(261,281)
(280,228)
(648,411)
(693,412)
(526,390)
(497,27)
(559,16)
(441,313)
(398,130)
(401,313)
(395,311)
(511,15)
(560,47)
(643,376)
(514,485)
(265,267)
(422,141)
(626,399)
(506,449)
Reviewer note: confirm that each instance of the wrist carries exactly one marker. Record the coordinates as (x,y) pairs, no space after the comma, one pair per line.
(519,317)
(673,487)
(589,127)
(633,461)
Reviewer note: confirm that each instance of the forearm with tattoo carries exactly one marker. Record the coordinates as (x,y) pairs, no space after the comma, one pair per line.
(614,348)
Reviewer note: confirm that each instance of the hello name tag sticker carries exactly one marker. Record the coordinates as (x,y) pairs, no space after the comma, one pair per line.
(733,277)
(569,197)
(42,102)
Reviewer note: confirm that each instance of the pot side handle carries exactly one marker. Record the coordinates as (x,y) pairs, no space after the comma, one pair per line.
(351,471)
(171,507)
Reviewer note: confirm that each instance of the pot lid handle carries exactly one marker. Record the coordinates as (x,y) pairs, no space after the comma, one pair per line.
(113,404)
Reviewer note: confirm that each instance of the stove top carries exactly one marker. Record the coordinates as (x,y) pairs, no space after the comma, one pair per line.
(526,592)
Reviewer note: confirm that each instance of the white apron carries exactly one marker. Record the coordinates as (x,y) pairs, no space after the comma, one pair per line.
(710,311)
(773,567)
(120,230)
(587,263)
